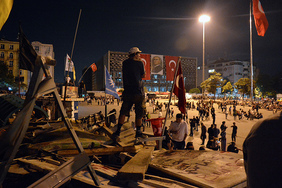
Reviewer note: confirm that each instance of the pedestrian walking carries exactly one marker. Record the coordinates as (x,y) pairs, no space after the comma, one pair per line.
(213,118)
(223,139)
(203,133)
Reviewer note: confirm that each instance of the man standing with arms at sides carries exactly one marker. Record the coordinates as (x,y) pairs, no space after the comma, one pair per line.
(132,73)
(203,133)
(179,130)
(234,132)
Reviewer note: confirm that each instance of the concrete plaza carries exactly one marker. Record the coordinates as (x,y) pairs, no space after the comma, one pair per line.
(244,125)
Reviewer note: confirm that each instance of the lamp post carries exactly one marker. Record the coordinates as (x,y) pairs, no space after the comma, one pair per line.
(204,19)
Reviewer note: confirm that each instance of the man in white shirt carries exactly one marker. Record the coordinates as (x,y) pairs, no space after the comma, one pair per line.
(179,130)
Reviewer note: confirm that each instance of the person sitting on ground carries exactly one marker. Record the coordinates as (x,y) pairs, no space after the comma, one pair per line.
(232,148)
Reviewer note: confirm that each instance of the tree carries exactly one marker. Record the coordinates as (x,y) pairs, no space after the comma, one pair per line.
(227,88)
(213,82)
(194,90)
(204,85)
(244,86)
(6,78)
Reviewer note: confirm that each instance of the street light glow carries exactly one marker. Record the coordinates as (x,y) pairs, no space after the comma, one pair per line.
(204,18)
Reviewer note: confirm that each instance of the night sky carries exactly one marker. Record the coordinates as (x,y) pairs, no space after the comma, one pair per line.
(164,27)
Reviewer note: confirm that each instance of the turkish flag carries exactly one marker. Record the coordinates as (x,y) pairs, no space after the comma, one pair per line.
(93,67)
(171,62)
(146,59)
(179,90)
(260,18)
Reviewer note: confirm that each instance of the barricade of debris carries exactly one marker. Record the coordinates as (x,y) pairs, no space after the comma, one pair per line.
(123,164)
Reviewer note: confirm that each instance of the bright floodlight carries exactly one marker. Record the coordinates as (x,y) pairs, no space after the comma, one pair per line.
(204,18)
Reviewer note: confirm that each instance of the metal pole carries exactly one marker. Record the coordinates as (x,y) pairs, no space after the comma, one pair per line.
(251,52)
(66,85)
(84,73)
(171,92)
(203,56)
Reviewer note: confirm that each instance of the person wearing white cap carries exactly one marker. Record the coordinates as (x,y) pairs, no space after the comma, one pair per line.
(132,73)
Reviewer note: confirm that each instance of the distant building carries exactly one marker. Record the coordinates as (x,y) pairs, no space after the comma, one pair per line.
(113,62)
(45,50)
(229,70)
(9,53)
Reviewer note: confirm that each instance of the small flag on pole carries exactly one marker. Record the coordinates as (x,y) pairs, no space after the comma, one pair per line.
(179,90)
(260,18)
(69,64)
(27,54)
(94,67)
(110,85)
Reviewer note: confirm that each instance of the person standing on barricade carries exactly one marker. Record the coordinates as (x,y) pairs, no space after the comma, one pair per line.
(132,74)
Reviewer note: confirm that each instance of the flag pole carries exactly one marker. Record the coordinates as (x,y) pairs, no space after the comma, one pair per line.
(66,85)
(251,52)
(84,73)
(171,92)
(106,113)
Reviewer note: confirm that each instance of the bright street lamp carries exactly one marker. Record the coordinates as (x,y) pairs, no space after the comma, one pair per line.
(204,19)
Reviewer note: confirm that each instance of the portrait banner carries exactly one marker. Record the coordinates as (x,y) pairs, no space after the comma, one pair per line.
(157,64)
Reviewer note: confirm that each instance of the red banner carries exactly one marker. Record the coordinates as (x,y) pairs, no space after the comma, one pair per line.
(260,18)
(179,90)
(146,59)
(171,62)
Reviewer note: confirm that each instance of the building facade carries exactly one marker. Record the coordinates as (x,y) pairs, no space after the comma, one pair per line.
(157,82)
(46,50)
(9,53)
(229,70)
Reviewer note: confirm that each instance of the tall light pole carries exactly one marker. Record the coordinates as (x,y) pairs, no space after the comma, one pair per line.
(204,19)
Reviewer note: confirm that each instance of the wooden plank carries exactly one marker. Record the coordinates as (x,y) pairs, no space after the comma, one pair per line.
(66,144)
(202,168)
(102,151)
(136,168)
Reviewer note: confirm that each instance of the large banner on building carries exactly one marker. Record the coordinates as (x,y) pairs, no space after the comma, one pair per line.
(146,59)
(171,62)
(157,64)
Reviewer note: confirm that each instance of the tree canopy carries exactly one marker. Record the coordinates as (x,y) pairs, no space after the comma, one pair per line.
(213,82)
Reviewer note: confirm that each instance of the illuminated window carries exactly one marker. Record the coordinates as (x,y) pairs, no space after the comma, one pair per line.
(211,70)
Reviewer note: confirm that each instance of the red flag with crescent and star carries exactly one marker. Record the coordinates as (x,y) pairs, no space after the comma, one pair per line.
(146,59)
(260,18)
(170,62)
(179,89)
(93,67)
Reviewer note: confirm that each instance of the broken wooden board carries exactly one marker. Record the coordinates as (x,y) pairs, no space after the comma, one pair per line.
(202,168)
(102,151)
(62,133)
(136,168)
(66,144)
(109,132)
(82,176)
